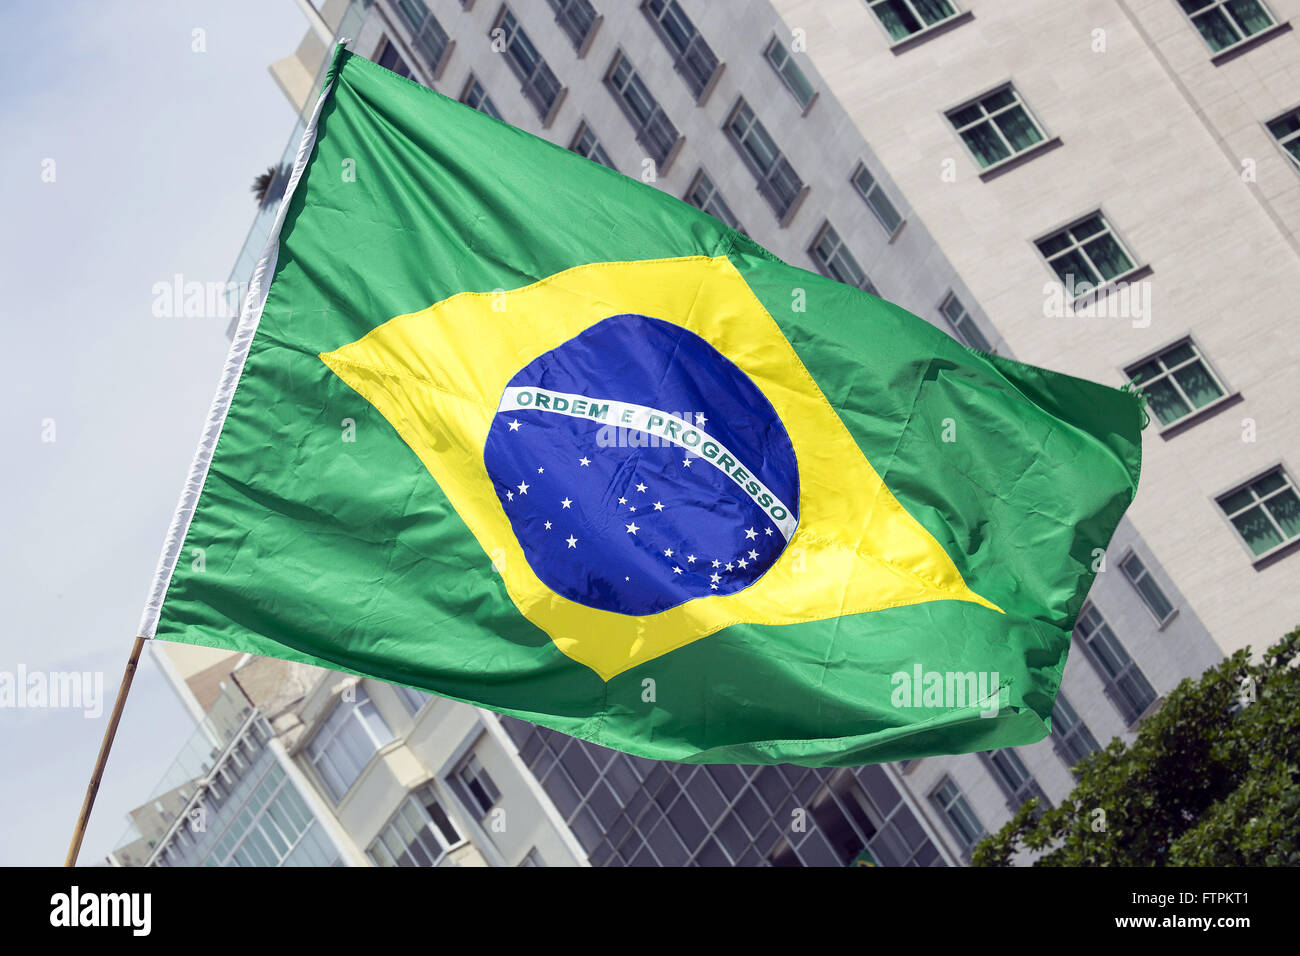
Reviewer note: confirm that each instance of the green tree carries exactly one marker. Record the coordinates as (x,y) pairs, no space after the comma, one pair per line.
(1212,779)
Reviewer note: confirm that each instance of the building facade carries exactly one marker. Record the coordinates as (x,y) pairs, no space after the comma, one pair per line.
(1110,189)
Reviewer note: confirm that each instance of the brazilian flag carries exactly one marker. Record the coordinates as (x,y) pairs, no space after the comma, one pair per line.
(505,425)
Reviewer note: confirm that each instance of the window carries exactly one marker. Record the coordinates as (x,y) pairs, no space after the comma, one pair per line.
(654,130)
(1070,735)
(835,261)
(965,826)
(902,18)
(428,36)
(996,127)
(576,18)
(1225,23)
(1266,512)
(1086,254)
(476,97)
(962,323)
(390,59)
(777,180)
(1177,382)
(346,742)
(475,786)
(540,86)
(419,834)
(1141,579)
(412,698)
(1125,684)
(585,144)
(789,71)
(876,200)
(695,61)
(1014,778)
(1286,130)
(703,194)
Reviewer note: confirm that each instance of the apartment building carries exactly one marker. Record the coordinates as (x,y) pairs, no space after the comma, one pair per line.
(1110,188)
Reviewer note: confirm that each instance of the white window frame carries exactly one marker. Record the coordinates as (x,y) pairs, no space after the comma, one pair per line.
(1135,264)
(702,178)
(1280,142)
(876,189)
(1207,5)
(987,116)
(788,62)
(1167,372)
(944,806)
(963,323)
(314,749)
(584,128)
(428,822)
(840,246)
(1136,579)
(471,83)
(925,28)
(1258,502)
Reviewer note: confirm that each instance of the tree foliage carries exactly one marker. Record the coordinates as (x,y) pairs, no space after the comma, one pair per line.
(1212,779)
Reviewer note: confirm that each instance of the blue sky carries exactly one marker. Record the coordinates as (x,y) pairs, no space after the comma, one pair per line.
(154,147)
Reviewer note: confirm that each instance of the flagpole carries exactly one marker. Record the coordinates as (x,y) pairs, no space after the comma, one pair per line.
(93,788)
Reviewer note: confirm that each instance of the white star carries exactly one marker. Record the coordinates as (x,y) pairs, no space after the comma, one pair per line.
(584,461)
(751,533)
(690,559)
(699,418)
(523,487)
(668,552)
(677,570)
(627,579)
(767,530)
(753,555)
(743,563)
(541,471)
(631,508)
(686,462)
(632,528)
(510,496)
(659,506)
(640,487)
(514,426)
(547,526)
(622,501)
(717,564)
(715,577)
(730,566)
(565,503)
(573,542)
(713,587)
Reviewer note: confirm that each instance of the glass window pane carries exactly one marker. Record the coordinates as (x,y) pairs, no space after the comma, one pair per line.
(1259,532)
(1268,483)
(1018,128)
(1217,30)
(1164,400)
(1285,509)
(1250,15)
(985,144)
(1108,256)
(1237,501)
(1072,267)
(1198,384)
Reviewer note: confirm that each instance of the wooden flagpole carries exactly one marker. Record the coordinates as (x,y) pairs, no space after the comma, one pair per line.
(93,788)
